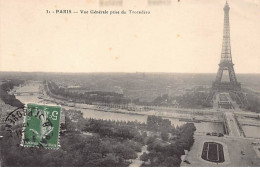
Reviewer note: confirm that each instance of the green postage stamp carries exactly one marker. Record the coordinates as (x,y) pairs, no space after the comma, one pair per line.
(41,126)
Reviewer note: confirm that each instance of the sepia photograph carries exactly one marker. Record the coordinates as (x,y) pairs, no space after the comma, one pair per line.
(129,83)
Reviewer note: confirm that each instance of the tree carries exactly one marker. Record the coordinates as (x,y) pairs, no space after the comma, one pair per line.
(144,157)
(164,135)
(171,161)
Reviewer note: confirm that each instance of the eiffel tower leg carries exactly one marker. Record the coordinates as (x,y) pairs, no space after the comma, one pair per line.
(232,75)
(219,75)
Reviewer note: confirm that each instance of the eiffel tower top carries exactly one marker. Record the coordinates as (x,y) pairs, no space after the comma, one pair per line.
(226,48)
(226,8)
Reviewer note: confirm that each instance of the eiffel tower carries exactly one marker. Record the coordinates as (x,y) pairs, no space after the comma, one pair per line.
(226,63)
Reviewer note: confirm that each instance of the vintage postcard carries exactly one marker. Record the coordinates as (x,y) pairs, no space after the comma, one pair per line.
(129,83)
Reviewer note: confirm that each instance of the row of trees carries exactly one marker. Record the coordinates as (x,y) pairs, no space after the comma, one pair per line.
(253,103)
(87,97)
(249,101)
(184,135)
(164,100)
(121,131)
(156,123)
(194,99)
(76,150)
(6,97)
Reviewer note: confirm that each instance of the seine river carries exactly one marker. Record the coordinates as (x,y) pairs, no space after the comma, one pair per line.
(202,127)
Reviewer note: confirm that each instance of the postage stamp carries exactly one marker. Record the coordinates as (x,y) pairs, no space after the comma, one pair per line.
(42,126)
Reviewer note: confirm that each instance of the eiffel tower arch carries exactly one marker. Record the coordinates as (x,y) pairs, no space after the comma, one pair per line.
(226,63)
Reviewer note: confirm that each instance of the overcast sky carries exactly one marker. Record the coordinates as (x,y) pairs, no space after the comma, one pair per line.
(182,37)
